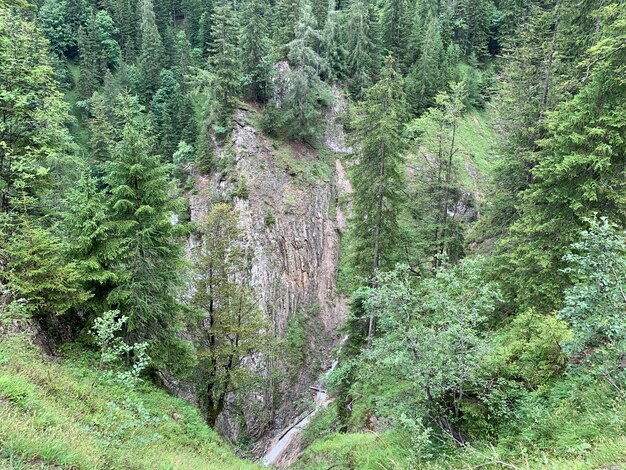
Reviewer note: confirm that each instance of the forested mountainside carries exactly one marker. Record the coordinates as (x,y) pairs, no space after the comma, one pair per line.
(348,234)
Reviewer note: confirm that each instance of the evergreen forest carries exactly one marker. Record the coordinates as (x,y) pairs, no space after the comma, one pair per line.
(313,234)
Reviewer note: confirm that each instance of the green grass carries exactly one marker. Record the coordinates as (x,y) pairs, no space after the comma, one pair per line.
(56,413)
(576,423)
(476,138)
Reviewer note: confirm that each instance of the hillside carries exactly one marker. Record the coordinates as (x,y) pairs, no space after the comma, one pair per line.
(313,234)
(55,412)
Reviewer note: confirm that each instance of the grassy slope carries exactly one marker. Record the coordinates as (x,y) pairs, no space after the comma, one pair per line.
(571,425)
(52,417)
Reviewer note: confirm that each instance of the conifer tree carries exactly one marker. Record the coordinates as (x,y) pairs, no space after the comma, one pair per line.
(429,74)
(224,60)
(284,24)
(35,152)
(101,131)
(152,52)
(362,44)
(99,51)
(170,107)
(378,177)
(396,28)
(32,132)
(300,110)
(579,175)
(333,51)
(255,46)
(142,249)
(438,183)
(126,17)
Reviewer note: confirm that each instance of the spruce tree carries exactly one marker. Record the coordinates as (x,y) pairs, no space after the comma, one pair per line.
(99,51)
(126,17)
(429,75)
(333,50)
(284,24)
(255,46)
(143,243)
(396,29)
(378,177)
(300,110)
(438,186)
(224,60)
(232,323)
(579,173)
(362,44)
(152,52)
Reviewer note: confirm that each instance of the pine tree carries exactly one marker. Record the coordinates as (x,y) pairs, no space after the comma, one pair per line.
(378,177)
(126,17)
(170,107)
(284,24)
(101,132)
(429,74)
(255,46)
(438,183)
(32,132)
(152,52)
(36,272)
(578,174)
(99,52)
(224,60)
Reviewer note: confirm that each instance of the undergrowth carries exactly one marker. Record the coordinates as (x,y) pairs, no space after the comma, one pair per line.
(57,413)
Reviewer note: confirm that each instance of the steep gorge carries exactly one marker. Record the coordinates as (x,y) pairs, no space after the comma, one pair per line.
(292,218)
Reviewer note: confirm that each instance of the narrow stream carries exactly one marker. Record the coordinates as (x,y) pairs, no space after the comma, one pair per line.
(283,442)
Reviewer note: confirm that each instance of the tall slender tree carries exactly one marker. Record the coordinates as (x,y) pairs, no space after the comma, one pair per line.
(152,52)
(224,59)
(396,29)
(362,44)
(232,323)
(378,176)
(300,110)
(255,46)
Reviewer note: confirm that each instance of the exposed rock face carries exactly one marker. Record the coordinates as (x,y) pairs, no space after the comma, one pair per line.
(292,225)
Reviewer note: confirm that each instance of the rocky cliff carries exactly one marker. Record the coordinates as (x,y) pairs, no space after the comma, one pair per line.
(287,198)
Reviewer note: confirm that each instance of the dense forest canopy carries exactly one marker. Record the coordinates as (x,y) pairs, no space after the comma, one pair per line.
(483,259)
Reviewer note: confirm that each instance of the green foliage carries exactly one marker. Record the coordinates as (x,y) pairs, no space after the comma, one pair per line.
(378,175)
(232,325)
(529,349)
(362,42)
(430,347)
(151,51)
(300,116)
(57,414)
(56,23)
(99,51)
(255,46)
(438,191)
(129,244)
(32,133)
(37,273)
(225,61)
(113,350)
(594,304)
(579,174)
